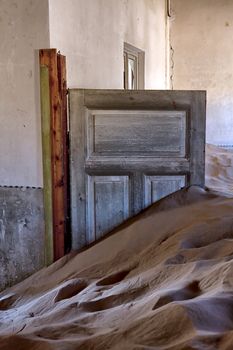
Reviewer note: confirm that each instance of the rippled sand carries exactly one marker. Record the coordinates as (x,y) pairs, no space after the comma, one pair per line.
(163,280)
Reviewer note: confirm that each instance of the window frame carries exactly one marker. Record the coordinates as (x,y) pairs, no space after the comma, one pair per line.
(138,56)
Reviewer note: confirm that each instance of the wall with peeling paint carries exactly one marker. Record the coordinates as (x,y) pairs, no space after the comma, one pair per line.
(201,36)
(24,28)
(92,33)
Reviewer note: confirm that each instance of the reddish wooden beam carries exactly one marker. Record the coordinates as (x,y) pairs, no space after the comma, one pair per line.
(61,60)
(58,122)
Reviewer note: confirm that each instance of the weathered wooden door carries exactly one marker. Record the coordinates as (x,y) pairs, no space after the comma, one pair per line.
(128,150)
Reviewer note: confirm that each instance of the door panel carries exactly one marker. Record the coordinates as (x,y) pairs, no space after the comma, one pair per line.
(135,133)
(158,187)
(129,149)
(108,201)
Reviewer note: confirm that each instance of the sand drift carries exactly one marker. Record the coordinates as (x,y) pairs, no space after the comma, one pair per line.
(163,280)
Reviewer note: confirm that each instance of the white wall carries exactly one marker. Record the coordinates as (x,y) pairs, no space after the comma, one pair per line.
(201,36)
(91,34)
(23,29)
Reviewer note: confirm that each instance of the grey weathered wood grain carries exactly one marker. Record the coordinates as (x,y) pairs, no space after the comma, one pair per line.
(133,133)
(124,164)
(157,187)
(108,204)
(128,149)
(142,99)
(197,138)
(77,174)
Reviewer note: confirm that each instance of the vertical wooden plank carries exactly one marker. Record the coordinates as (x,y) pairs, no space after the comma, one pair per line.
(47,165)
(198,131)
(137,193)
(61,60)
(57,83)
(78,193)
(57,160)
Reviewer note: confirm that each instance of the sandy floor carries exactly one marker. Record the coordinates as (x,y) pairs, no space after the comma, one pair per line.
(219,169)
(162,281)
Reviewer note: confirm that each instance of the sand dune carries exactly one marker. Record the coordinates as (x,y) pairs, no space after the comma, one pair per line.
(163,280)
(219,169)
